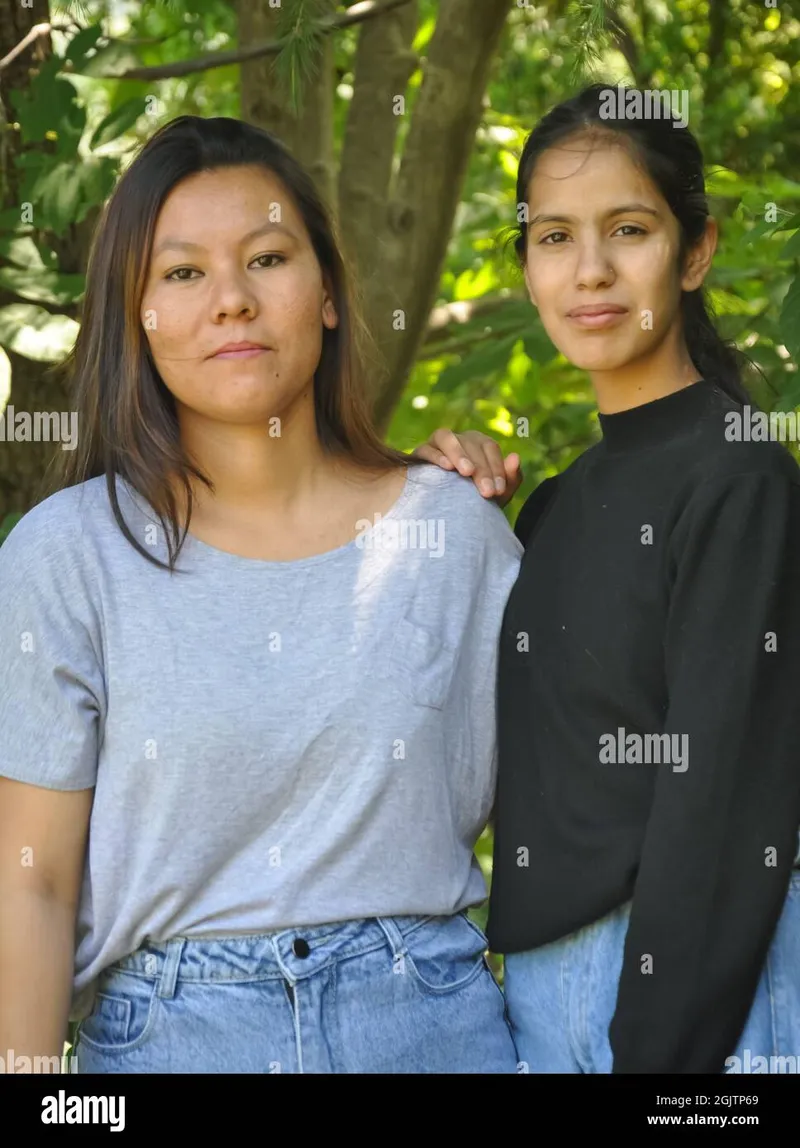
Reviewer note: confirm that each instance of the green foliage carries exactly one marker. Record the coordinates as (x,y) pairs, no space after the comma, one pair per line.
(492,368)
(588,18)
(475,374)
(298,25)
(7,525)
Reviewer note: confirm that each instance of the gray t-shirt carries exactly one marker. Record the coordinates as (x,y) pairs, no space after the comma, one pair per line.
(271,744)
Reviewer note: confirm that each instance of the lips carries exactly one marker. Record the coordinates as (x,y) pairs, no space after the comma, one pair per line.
(239,351)
(594,315)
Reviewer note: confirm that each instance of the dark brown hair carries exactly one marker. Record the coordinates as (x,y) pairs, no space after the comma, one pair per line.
(127,420)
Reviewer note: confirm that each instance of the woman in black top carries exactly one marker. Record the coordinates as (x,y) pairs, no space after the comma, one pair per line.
(645,889)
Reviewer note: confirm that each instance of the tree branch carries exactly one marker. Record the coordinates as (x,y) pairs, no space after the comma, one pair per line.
(366,10)
(463,310)
(36,31)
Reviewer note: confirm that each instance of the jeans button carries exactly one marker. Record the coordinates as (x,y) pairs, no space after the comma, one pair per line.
(300,947)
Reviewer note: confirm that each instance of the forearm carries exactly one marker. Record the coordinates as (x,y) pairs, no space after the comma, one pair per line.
(37,936)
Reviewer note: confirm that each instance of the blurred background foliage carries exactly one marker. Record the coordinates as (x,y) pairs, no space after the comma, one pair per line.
(481,359)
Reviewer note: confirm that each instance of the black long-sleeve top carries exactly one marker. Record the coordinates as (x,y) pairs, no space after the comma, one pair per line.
(659,594)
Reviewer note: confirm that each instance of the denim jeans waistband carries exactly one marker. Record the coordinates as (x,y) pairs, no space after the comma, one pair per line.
(288,953)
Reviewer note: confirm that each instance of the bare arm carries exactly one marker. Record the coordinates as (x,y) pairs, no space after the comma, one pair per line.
(43,835)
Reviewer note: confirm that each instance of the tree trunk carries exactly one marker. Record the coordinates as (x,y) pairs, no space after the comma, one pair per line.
(419,218)
(309,135)
(395,230)
(33,388)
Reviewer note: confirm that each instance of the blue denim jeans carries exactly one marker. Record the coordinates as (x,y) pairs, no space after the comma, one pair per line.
(383,995)
(561,998)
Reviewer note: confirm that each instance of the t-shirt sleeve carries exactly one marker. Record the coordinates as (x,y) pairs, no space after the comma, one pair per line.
(722,831)
(52,693)
(495,568)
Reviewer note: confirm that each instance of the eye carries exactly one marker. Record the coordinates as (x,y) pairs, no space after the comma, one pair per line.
(174,275)
(280,258)
(177,277)
(632,228)
(552,235)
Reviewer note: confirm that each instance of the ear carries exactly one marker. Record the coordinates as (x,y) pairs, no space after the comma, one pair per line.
(329,316)
(698,259)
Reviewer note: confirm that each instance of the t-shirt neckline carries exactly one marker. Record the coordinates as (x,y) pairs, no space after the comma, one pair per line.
(214,553)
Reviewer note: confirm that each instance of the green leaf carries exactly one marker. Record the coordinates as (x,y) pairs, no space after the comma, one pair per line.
(475,284)
(11,220)
(43,286)
(35,333)
(538,346)
(21,251)
(109,61)
(83,43)
(7,525)
(48,105)
(489,358)
(63,193)
(762,228)
(789,322)
(118,122)
(791,250)
(789,224)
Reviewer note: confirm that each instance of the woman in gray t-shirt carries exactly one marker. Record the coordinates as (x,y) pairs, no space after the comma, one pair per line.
(247,663)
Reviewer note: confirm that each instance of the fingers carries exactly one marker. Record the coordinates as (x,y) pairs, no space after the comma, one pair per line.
(431,454)
(514,478)
(494,482)
(488,471)
(450,446)
(477,456)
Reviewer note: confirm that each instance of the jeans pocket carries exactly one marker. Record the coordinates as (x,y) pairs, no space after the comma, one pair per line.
(446,953)
(123,1013)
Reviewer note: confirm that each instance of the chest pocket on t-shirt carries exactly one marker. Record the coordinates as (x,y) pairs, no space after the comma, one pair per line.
(421,664)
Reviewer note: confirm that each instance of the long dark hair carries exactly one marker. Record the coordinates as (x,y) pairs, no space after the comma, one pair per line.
(672,158)
(127,420)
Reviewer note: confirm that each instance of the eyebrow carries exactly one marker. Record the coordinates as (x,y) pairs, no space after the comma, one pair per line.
(256,233)
(624,210)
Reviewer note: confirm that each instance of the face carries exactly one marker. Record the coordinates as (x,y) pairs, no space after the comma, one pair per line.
(602,238)
(229,266)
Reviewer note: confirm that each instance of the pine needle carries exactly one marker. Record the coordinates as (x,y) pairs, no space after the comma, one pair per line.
(298,60)
(588,20)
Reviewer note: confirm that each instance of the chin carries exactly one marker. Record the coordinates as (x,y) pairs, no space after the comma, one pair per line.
(599,362)
(603,355)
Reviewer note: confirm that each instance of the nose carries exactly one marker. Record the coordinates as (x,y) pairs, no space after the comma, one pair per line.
(232,295)
(593,269)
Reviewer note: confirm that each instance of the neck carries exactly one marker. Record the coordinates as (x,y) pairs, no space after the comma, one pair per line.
(669,368)
(257,471)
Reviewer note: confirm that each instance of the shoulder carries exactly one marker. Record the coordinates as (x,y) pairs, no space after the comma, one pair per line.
(736,440)
(451,491)
(48,541)
(534,507)
(541,497)
(745,473)
(468,517)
